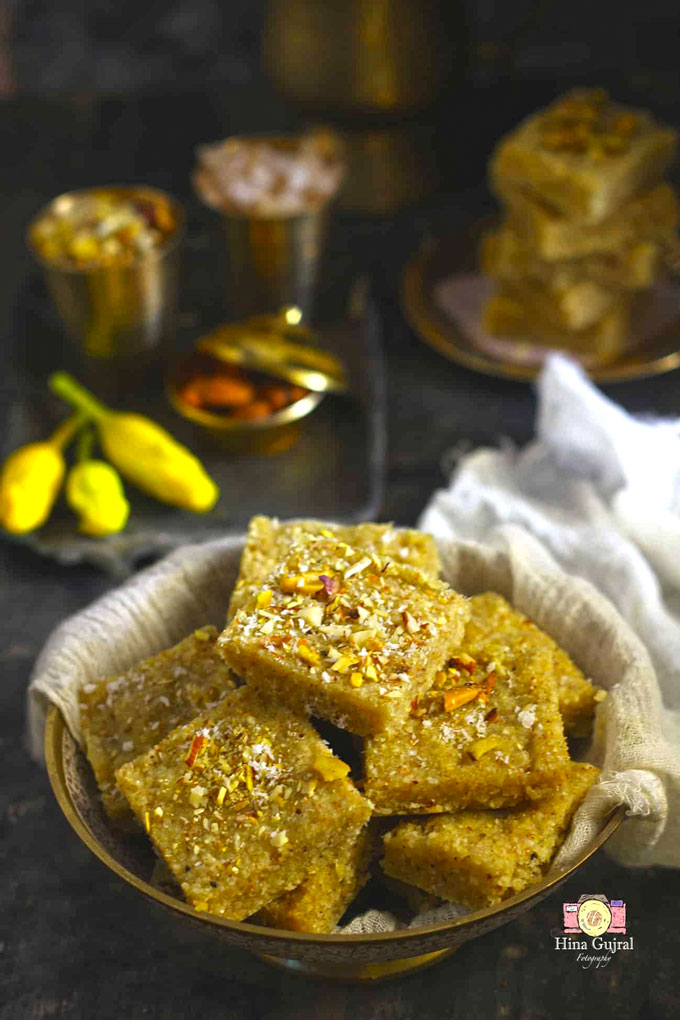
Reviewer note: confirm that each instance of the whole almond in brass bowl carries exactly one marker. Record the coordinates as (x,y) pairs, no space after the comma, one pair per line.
(250,384)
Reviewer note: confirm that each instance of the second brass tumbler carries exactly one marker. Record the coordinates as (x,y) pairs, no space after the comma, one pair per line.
(273,261)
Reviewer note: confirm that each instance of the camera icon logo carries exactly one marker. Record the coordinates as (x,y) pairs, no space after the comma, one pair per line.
(593,915)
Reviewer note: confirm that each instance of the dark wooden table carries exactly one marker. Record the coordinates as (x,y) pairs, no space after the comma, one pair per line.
(74,941)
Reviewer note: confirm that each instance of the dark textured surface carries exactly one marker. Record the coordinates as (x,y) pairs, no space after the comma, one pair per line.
(93,44)
(74,941)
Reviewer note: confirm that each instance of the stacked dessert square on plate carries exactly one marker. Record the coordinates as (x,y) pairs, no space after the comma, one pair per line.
(587,215)
(355,709)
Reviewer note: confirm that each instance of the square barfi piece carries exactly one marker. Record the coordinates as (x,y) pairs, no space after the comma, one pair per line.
(507,257)
(557,292)
(242,803)
(478,858)
(650,216)
(344,634)
(487,735)
(584,155)
(507,315)
(570,307)
(268,540)
(123,716)
(500,629)
(319,902)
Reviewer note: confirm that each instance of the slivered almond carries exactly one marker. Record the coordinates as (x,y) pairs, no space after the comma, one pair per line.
(359,638)
(410,623)
(357,567)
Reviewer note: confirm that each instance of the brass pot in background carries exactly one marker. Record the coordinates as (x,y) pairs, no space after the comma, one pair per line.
(370,56)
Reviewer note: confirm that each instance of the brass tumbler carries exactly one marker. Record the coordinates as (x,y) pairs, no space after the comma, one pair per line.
(118,313)
(273,262)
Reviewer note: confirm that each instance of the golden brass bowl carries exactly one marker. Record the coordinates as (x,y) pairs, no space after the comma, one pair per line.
(276,346)
(344,957)
(273,434)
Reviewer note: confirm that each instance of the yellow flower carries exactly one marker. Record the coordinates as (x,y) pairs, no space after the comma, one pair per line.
(143,452)
(31,478)
(95,492)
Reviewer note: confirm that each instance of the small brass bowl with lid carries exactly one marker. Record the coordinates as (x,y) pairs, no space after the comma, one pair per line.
(250,384)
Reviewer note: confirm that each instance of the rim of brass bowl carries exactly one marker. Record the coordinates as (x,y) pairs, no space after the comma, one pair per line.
(227,424)
(402,943)
(124,190)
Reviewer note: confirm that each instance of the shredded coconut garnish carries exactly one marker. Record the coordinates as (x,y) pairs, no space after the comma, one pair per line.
(527,716)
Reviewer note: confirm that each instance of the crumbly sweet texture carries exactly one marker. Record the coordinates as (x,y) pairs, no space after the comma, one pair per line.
(251,811)
(584,155)
(344,634)
(319,902)
(242,803)
(124,716)
(487,735)
(571,307)
(479,858)
(506,314)
(500,629)
(649,216)
(268,540)
(505,256)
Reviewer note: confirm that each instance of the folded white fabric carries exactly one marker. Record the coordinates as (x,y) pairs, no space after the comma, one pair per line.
(600,491)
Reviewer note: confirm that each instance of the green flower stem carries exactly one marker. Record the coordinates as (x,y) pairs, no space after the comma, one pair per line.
(85,445)
(70,390)
(65,432)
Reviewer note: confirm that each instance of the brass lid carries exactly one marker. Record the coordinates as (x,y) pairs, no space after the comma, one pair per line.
(280,346)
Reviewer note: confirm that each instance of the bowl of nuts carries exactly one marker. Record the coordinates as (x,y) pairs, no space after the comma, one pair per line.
(250,384)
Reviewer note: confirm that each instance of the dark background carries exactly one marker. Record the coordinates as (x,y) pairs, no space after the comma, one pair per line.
(130,46)
(102,91)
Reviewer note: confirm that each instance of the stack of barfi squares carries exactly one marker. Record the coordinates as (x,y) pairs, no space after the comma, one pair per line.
(586,219)
(451,713)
